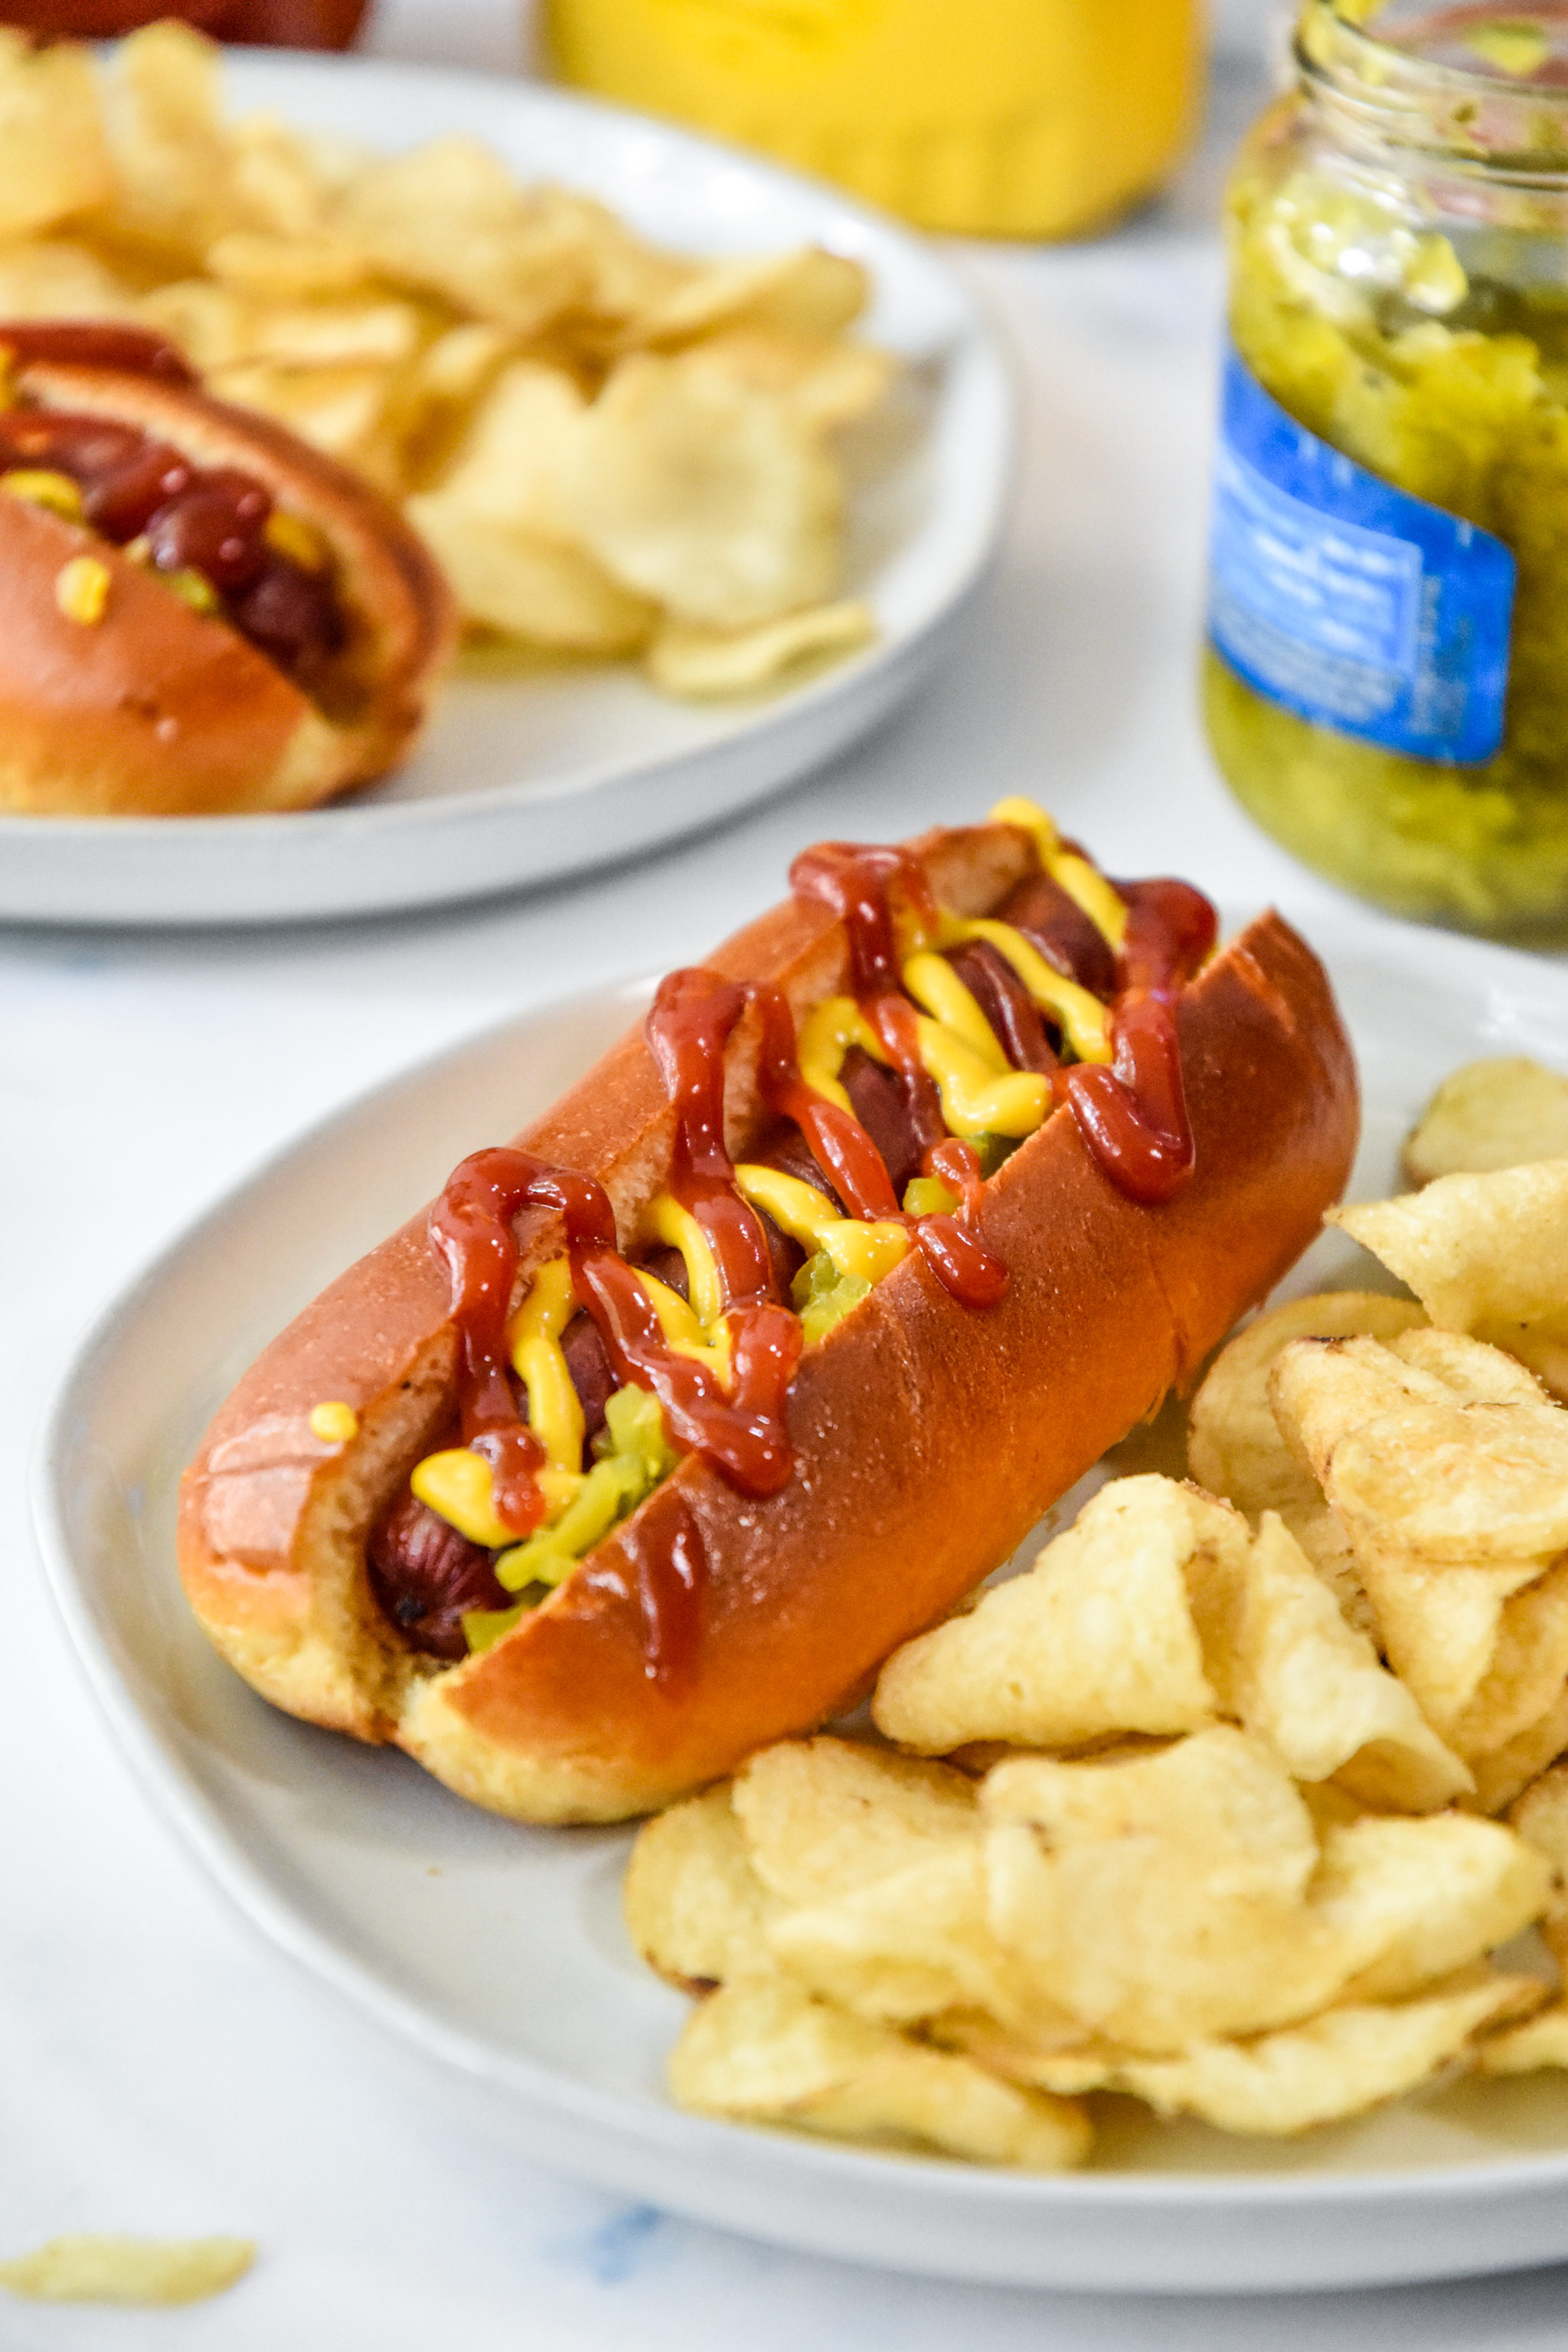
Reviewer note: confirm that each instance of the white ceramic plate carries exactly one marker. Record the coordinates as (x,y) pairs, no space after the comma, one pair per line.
(527,775)
(493,1958)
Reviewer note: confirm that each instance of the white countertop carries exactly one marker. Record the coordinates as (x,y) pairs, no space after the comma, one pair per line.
(160,2074)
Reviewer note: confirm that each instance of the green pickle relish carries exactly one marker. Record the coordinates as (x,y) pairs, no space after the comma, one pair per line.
(1398,246)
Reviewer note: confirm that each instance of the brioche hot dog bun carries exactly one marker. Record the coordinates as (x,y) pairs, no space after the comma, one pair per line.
(154,709)
(928,1437)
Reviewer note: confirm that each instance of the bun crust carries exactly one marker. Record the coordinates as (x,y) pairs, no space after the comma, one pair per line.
(929,1439)
(159,711)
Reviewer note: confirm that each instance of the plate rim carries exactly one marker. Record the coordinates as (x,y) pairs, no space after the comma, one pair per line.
(336,828)
(202,1827)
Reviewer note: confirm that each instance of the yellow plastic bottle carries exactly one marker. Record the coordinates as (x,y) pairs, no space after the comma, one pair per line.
(993,118)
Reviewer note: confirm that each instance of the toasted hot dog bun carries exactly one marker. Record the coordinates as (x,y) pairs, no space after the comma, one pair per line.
(159,711)
(929,1438)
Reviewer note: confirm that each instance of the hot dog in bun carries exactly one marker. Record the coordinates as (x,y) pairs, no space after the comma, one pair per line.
(667,1421)
(198,614)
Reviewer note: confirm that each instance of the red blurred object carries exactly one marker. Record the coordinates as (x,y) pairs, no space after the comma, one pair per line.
(279,24)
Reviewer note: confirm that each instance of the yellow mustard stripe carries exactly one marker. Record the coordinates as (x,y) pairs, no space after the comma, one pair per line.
(825,1035)
(554,1415)
(937,989)
(974,1101)
(869,1249)
(683,1333)
(1082,1019)
(1084,883)
(979,1094)
(679,1229)
(457,1486)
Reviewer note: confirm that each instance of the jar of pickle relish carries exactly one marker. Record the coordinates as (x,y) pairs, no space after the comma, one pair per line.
(1387,674)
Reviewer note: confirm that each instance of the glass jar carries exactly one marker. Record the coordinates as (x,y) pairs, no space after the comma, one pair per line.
(1386,677)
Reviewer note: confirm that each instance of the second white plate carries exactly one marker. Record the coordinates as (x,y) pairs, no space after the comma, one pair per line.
(493,1958)
(529,774)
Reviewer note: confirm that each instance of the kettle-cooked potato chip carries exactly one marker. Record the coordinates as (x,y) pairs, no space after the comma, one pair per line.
(1487,1254)
(824,1816)
(1314,1688)
(711,497)
(765,2051)
(1502,1113)
(1098,1638)
(94,2267)
(694,1906)
(53,161)
(1422,1899)
(703,662)
(1335,2065)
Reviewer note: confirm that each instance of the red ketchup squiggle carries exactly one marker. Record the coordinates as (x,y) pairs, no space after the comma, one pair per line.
(1133,1114)
(92,342)
(739,1431)
(672,1581)
(688,1029)
(856,882)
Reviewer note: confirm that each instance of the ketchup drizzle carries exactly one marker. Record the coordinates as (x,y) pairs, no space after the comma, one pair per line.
(83,342)
(1134,1115)
(688,1029)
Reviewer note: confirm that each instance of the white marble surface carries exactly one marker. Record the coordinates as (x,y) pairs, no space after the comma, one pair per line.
(159,2074)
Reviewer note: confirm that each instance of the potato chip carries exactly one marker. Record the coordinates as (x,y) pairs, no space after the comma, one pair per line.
(1158,1896)
(1492,1114)
(705,664)
(711,499)
(449,218)
(821,1817)
(53,161)
(1098,1638)
(1422,1899)
(1234,1445)
(694,1906)
(1483,1254)
(168,154)
(51,278)
(527,585)
(1314,1688)
(764,2050)
(908,1946)
(519,442)
(1540,1818)
(1442,1627)
(281,184)
(1457,1482)
(1129,1936)
(1474,1370)
(1219,1799)
(92,2268)
(1542,2040)
(827,383)
(1527,1668)
(1236,1448)
(1335,2065)
(350,412)
(806,292)
(1502,1774)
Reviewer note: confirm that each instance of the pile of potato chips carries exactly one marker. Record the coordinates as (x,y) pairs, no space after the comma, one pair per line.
(1200,1809)
(611,449)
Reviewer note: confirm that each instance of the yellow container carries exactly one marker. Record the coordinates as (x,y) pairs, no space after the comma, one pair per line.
(994,117)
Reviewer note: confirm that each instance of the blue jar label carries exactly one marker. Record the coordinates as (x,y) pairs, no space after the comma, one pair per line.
(1348,601)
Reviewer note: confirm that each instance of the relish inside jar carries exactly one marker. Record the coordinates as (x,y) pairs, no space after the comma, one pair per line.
(1398,233)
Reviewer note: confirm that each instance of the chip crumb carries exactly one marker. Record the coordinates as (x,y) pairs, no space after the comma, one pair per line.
(92,2267)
